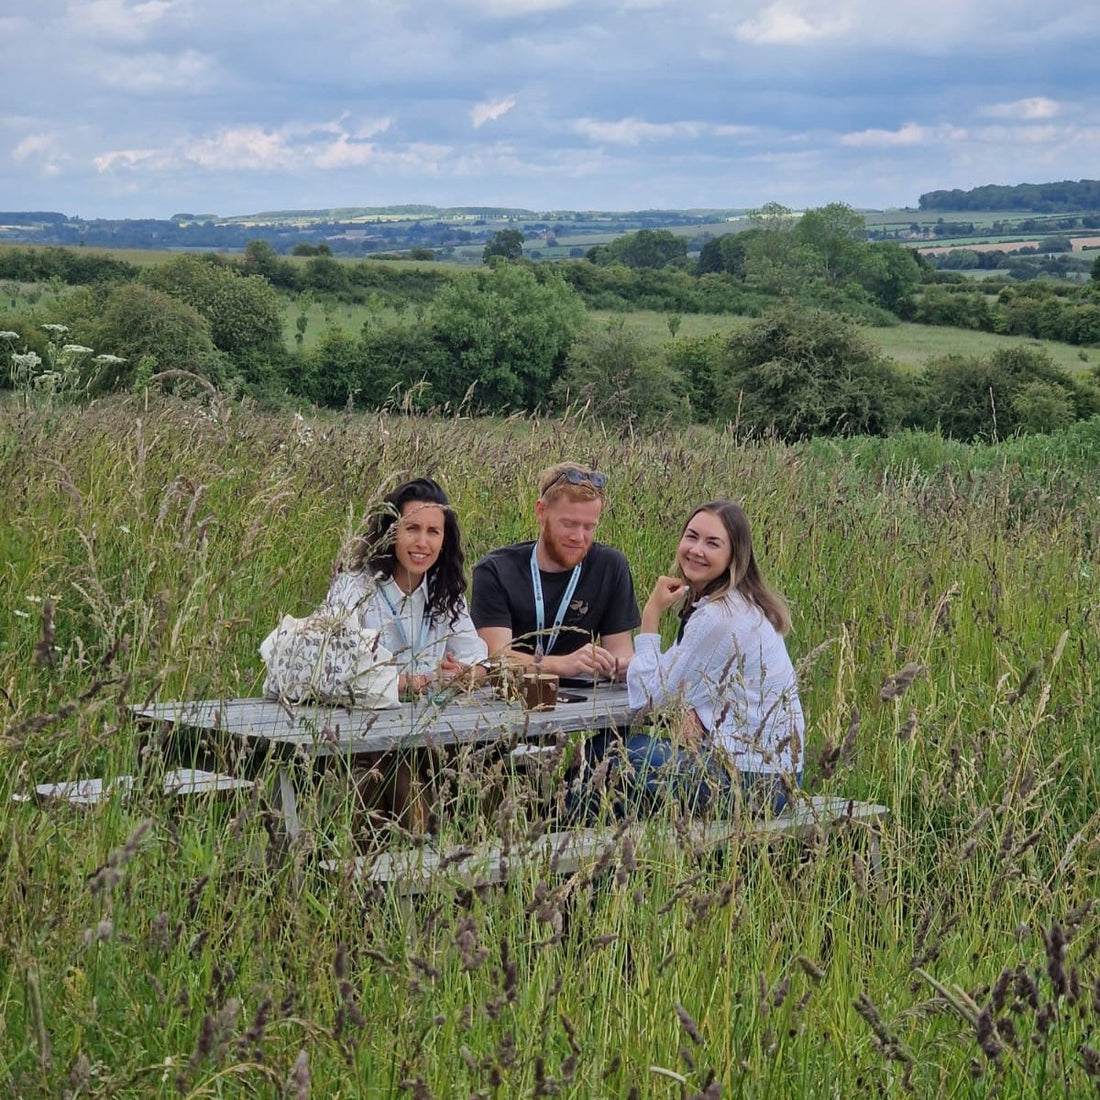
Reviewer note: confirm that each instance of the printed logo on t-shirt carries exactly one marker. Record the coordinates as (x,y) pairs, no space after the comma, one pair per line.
(577,609)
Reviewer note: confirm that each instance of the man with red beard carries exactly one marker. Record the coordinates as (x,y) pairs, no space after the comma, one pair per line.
(564,600)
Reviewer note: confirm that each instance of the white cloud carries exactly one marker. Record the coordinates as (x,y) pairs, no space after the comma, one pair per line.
(783,23)
(241,147)
(133,158)
(156,72)
(910,134)
(33,145)
(633,131)
(290,148)
(45,150)
(1030,109)
(117,21)
(626,131)
(491,110)
(507,9)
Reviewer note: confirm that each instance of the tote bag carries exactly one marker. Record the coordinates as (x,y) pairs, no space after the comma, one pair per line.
(325,658)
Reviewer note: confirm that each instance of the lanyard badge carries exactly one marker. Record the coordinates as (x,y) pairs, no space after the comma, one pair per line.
(540,605)
(400,626)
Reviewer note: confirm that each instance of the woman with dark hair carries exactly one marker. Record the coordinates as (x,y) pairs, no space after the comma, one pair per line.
(729,667)
(406,580)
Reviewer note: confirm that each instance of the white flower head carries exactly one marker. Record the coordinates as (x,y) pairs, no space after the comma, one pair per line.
(109,359)
(27,360)
(76,349)
(57,330)
(6,335)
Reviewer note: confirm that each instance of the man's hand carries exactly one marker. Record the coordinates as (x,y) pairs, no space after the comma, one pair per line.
(591,661)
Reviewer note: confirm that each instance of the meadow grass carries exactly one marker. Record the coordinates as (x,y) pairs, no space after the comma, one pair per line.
(914,345)
(908,344)
(945,609)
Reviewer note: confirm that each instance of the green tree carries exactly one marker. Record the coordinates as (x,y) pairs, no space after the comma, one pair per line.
(648,248)
(723,255)
(507,331)
(505,243)
(805,372)
(776,260)
(621,378)
(261,259)
(838,235)
(135,321)
(243,311)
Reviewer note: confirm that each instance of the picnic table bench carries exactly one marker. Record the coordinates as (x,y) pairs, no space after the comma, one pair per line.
(89,792)
(278,734)
(575,850)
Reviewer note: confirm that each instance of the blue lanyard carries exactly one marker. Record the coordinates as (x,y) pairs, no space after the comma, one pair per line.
(400,626)
(540,604)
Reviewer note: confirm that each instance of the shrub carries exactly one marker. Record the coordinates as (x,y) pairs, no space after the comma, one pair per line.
(243,311)
(1015,389)
(1042,407)
(507,331)
(807,372)
(621,378)
(138,320)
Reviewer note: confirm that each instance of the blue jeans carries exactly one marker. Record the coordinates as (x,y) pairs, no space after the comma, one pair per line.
(643,771)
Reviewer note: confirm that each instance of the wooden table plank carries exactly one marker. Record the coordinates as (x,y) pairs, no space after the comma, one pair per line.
(331,730)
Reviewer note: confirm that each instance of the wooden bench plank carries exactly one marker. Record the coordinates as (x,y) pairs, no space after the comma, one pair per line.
(572,850)
(89,792)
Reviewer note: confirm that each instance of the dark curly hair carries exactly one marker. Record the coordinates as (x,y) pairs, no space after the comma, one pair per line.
(446,579)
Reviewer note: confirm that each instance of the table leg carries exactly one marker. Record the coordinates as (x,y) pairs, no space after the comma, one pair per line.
(287,803)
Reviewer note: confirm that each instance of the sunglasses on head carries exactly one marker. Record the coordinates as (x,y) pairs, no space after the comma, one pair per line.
(579,477)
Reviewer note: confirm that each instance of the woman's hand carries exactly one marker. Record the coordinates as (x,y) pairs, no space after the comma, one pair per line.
(667,591)
(454,672)
(412,684)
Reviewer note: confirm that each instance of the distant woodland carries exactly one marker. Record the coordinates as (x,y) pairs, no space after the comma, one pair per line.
(1040,198)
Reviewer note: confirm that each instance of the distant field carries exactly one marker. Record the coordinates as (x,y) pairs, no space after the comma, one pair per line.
(1080,244)
(911,345)
(914,345)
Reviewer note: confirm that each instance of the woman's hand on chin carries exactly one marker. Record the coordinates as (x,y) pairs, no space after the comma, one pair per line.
(666,592)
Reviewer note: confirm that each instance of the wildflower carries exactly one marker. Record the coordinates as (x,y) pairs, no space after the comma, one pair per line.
(109,360)
(76,349)
(55,329)
(8,335)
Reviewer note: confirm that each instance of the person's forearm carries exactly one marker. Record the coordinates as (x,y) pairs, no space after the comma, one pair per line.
(651,619)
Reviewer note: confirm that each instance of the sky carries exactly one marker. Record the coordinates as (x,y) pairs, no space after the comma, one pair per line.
(148,108)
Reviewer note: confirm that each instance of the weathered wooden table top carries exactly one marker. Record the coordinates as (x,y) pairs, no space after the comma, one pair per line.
(470,718)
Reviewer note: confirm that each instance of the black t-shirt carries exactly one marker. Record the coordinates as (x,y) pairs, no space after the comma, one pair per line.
(602,604)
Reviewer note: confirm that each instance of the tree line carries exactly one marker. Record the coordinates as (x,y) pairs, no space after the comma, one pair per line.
(1041,198)
(516,338)
(1038,309)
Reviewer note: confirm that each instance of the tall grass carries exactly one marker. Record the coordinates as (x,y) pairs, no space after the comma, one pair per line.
(945,628)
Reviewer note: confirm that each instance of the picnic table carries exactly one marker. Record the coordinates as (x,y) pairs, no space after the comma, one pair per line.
(243,730)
